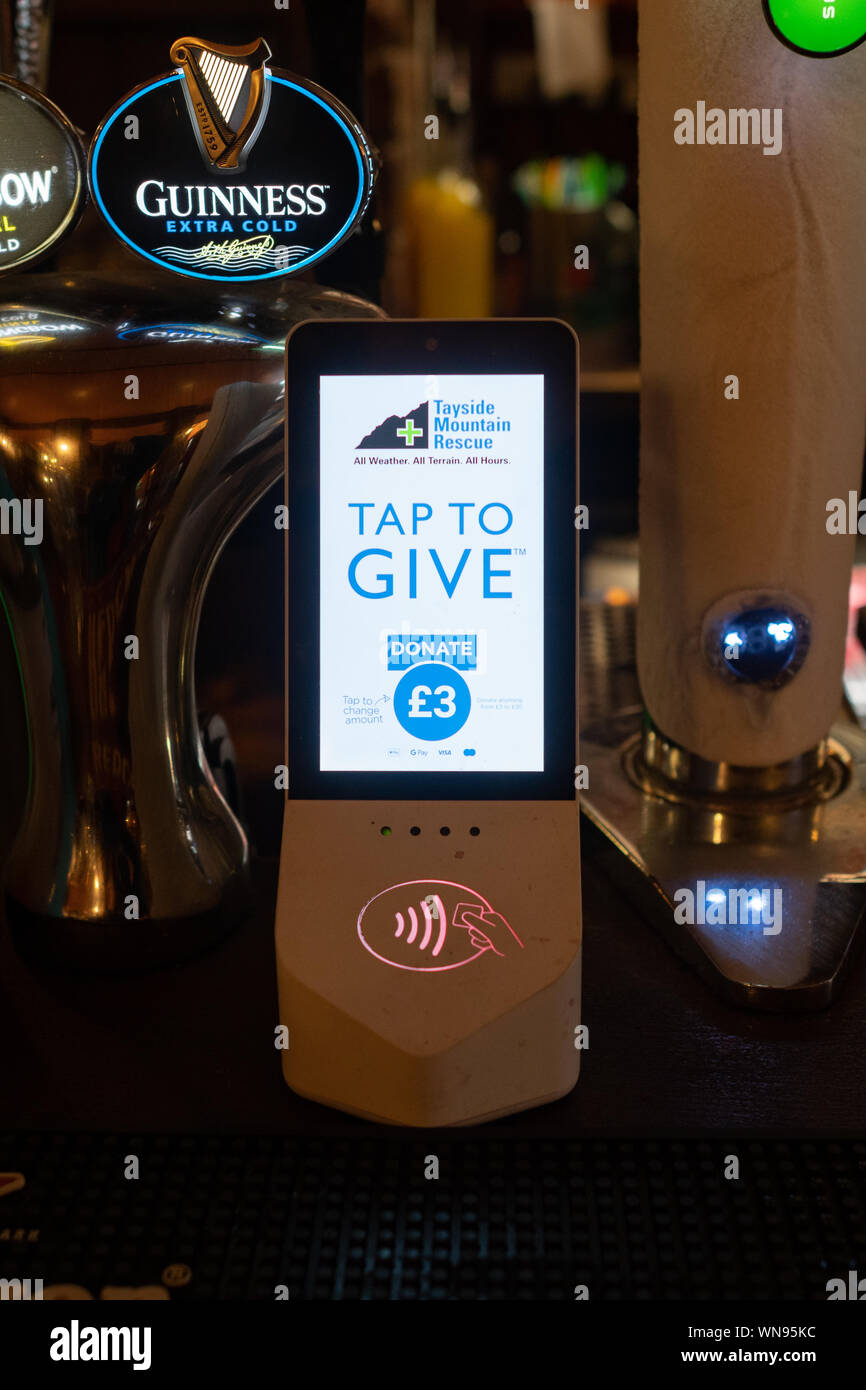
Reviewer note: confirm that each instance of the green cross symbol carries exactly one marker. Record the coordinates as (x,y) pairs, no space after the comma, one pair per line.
(409,433)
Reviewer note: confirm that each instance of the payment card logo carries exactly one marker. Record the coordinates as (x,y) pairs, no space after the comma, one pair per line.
(433,924)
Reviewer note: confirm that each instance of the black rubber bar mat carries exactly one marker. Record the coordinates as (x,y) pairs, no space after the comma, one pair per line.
(216,1217)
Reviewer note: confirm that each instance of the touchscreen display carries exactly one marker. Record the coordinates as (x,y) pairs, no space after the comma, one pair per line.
(432,573)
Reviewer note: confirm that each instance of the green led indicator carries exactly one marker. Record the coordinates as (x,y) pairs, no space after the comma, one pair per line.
(820,28)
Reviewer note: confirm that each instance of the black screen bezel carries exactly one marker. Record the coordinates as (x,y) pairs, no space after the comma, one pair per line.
(358,347)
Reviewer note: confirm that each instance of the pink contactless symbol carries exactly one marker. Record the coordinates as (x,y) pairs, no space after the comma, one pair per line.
(433,924)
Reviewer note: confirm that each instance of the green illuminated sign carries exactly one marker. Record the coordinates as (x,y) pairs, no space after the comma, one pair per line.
(820,28)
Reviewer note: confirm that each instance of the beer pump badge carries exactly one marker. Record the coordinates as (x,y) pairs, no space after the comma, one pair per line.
(42,184)
(818,29)
(227,169)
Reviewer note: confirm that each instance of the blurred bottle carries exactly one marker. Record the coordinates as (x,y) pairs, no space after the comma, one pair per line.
(583,253)
(449,231)
(451,241)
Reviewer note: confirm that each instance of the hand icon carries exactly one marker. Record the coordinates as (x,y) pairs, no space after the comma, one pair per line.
(488,930)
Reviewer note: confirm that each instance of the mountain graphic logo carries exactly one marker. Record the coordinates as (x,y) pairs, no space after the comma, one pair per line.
(401,431)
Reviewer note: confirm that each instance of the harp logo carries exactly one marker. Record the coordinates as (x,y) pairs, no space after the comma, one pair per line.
(227,96)
(231,169)
(433,925)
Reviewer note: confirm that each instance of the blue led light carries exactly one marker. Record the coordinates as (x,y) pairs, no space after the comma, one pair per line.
(759,644)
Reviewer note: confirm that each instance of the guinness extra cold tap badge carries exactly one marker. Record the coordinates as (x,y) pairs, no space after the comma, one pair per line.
(227,169)
(42,185)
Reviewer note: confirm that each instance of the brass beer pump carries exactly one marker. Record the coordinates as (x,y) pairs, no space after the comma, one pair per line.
(141,415)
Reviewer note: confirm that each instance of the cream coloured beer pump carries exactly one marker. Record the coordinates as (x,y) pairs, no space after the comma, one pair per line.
(734,809)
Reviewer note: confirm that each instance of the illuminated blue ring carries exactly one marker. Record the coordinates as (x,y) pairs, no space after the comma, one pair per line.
(227,279)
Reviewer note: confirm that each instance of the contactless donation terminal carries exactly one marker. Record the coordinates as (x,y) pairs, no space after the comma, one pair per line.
(428,920)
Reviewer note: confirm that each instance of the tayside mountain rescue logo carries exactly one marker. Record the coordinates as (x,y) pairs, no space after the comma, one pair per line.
(400,431)
(227,169)
(433,925)
(440,424)
(42,183)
